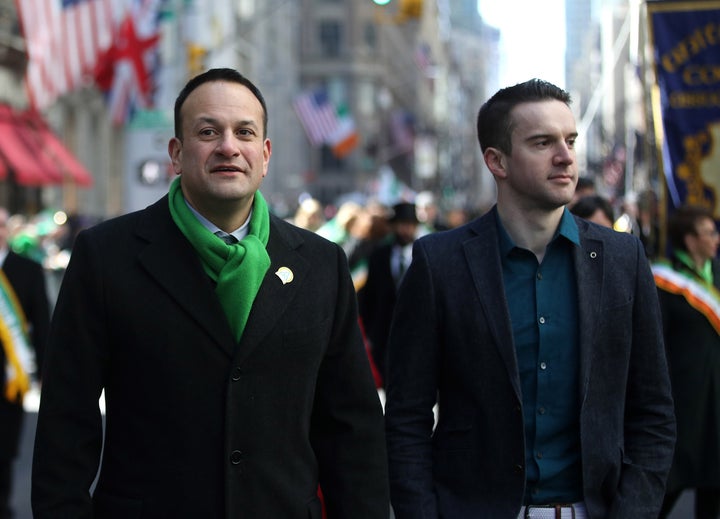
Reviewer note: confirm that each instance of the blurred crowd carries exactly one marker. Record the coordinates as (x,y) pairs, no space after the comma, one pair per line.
(357,226)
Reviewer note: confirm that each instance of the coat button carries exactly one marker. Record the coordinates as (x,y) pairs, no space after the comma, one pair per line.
(518,468)
(237,373)
(236,457)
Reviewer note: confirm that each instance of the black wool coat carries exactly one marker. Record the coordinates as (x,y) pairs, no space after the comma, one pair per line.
(693,352)
(198,425)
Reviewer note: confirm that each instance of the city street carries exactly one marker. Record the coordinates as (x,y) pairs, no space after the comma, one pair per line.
(21,497)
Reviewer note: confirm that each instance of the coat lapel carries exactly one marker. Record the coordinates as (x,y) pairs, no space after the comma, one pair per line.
(170,259)
(274,295)
(484,265)
(589,261)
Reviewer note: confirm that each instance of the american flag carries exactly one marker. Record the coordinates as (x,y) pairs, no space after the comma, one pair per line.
(317,115)
(64,39)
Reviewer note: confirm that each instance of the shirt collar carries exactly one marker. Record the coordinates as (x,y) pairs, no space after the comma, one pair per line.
(238,233)
(567,229)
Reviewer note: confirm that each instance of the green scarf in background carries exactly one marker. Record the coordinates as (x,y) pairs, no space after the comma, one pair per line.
(238,269)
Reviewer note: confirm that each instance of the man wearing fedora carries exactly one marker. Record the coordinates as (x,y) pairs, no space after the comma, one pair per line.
(386,266)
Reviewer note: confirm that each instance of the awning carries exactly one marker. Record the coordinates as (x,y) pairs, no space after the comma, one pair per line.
(33,154)
(18,156)
(69,165)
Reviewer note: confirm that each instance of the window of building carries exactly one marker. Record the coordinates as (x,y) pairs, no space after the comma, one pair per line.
(330,38)
(371,36)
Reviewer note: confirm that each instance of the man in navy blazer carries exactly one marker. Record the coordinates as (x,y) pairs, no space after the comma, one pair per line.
(220,403)
(538,336)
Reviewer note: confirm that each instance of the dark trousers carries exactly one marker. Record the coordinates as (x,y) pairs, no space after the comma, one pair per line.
(707,503)
(5,488)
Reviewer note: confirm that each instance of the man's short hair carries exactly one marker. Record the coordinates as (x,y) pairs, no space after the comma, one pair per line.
(217,74)
(494,122)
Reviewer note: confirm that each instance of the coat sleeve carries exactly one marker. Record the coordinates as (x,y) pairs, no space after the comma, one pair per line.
(69,432)
(412,392)
(347,424)
(649,432)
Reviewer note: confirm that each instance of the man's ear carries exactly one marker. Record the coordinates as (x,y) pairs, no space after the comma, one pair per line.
(495,161)
(175,152)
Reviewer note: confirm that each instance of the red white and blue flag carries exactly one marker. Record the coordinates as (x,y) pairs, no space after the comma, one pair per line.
(64,39)
(324,123)
(125,70)
(317,115)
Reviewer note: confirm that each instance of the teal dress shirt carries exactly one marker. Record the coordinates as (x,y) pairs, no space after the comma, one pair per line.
(542,300)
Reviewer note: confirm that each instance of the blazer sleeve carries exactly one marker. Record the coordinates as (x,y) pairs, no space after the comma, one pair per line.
(68,438)
(347,423)
(649,432)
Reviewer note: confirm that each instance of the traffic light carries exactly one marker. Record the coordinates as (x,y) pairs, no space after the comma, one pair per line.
(409,10)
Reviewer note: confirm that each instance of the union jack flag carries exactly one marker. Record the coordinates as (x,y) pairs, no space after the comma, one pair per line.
(77,43)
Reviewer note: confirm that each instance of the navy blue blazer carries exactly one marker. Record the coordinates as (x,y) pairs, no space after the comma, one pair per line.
(452,342)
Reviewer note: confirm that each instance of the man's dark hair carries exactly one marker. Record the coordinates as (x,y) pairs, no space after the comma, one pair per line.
(494,122)
(683,221)
(217,74)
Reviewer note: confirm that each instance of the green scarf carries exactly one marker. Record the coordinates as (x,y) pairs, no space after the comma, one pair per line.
(238,269)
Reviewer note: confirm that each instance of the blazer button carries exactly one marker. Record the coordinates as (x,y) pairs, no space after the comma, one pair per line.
(236,457)
(518,468)
(237,373)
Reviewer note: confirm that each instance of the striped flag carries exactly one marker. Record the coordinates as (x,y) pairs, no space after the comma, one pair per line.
(325,124)
(344,138)
(64,39)
(317,115)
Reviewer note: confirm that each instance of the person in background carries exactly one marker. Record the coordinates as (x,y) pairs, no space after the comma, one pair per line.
(309,215)
(539,337)
(428,213)
(585,187)
(387,265)
(24,323)
(688,283)
(226,341)
(649,222)
(594,208)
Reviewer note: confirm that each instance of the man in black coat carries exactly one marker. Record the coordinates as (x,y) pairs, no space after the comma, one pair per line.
(386,267)
(26,284)
(235,376)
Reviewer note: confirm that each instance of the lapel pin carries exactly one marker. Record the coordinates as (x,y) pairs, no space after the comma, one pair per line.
(285,275)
